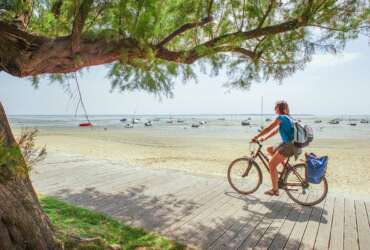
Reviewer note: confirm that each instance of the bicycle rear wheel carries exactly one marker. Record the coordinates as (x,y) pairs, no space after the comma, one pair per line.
(244,175)
(302,192)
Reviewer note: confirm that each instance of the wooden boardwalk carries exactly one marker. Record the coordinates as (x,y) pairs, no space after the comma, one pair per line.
(203,211)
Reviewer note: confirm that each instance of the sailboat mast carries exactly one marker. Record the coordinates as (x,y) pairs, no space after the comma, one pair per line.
(261,111)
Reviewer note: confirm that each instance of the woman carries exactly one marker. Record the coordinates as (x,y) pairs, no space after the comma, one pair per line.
(284,125)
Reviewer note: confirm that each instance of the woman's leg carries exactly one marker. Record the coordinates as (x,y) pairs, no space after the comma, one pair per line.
(271,150)
(274,162)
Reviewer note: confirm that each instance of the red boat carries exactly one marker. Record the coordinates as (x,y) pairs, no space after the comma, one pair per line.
(85,124)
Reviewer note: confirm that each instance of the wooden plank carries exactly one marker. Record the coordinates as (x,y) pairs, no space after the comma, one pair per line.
(258,232)
(323,233)
(350,226)
(367,205)
(85,180)
(200,199)
(239,220)
(363,228)
(337,229)
(267,237)
(163,205)
(102,200)
(198,229)
(130,190)
(253,222)
(309,237)
(299,228)
(185,225)
(221,221)
(285,230)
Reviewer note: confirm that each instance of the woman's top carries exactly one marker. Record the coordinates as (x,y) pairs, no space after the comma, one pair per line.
(286,129)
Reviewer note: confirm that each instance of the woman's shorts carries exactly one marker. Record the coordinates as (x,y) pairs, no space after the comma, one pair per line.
(288,149)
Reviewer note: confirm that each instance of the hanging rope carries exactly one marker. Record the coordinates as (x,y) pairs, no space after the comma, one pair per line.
(80,95)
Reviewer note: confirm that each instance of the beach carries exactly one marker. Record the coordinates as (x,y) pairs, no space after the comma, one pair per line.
(205,150)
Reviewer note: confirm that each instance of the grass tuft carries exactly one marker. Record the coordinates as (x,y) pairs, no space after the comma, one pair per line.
(70,220)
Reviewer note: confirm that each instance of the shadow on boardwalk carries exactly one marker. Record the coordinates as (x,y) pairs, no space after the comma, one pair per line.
(238,222)
(250,201)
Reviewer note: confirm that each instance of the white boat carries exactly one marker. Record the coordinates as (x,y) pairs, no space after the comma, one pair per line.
(129,125)
(135,121)
(180,121)
(202,123)
(334,121)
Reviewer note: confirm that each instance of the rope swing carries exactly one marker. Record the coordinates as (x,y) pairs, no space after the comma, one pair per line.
(80,101)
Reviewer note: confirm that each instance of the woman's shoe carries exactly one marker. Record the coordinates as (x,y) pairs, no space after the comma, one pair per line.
(272,192)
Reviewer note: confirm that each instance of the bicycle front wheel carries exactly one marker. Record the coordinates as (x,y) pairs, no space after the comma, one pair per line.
(302,192)
(244,175)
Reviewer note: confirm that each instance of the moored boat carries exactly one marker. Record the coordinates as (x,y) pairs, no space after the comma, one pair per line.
(85,124)
(148,124)
(334,121)
(245,123)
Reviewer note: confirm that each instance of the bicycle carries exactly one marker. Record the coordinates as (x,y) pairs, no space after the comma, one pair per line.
(293,178)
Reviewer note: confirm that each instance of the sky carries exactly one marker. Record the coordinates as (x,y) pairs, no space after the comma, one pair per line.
(329,85)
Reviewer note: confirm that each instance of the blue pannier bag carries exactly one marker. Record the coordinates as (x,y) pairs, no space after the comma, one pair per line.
(316,167)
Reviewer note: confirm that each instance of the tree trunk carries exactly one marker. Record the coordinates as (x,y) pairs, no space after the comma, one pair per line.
(23,224)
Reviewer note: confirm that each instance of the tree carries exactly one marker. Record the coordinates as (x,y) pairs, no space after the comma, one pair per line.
(147,43)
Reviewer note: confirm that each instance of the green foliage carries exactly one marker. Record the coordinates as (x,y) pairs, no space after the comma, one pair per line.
(329,25)
(31,153)
(18,160)
(154,76)
(11,162)
(70,220)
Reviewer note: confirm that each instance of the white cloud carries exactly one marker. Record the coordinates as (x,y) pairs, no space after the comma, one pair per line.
(329,60)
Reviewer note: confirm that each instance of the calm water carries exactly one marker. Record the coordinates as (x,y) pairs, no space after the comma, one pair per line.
(221,125)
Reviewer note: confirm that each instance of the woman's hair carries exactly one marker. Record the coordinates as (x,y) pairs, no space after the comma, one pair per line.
(282,107)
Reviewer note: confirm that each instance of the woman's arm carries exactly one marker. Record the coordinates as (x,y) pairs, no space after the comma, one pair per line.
(268,129)
(271,134)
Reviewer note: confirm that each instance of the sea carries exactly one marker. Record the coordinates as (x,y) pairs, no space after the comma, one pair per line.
(349,126)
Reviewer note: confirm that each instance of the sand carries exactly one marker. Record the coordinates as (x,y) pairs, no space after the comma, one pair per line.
(202,151)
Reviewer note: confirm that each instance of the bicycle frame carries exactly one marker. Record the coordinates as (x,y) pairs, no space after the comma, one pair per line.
(265,161)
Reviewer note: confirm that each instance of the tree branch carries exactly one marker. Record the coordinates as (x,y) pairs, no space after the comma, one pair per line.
(80,17)
(23,54)
(325,28)
(23,17)
(184,28)
(190,56)
(272,2)
(209,10)
(255,33)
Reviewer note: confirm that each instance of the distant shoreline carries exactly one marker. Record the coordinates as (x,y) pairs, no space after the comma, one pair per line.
(192,114)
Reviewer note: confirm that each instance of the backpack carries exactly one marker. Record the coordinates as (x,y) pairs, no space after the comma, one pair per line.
(303,134)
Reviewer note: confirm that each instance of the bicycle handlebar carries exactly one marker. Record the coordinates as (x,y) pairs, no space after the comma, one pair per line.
(259,143)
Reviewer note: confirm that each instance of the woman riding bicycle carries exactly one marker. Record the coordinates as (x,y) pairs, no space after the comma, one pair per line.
(283,125)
